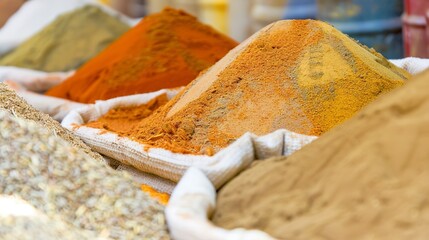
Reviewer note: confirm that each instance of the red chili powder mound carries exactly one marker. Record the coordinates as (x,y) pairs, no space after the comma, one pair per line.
(164,50)
(366,179)
(301,75)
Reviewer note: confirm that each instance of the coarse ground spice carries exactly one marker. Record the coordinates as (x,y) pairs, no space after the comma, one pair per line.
(22,221)
(62,181)
(366,179)
(14,104)
(68,42)
(300,75)
(164,50)
(120,120)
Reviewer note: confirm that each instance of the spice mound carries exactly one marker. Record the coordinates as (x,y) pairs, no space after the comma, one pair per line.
(366,179)
(300,75)
(28,222)
(63,182)
(120,120)
(165,50)
(17,106)
(68,42)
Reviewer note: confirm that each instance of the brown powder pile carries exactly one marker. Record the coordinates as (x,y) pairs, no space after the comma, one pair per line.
(366,179)
(122,119)
(20,108)
(304,76)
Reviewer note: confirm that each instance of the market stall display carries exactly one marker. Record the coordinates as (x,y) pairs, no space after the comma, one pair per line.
(245,107)
(172,130)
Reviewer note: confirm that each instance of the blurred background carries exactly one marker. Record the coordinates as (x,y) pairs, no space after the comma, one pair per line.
(395,28)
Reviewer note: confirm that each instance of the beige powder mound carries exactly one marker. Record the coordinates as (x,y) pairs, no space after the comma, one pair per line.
(366,179)
(300,75)
(20,108)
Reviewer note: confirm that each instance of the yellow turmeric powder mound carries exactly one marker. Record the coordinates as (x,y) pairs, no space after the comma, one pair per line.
(300,75)
(120,120)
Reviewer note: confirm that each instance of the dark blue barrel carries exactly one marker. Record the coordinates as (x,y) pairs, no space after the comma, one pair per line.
(376,24)
(300,9)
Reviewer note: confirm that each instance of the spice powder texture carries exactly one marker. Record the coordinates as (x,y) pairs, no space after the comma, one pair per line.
(68,42)
(300,75)
(365,179)
(121,119)
(165,50)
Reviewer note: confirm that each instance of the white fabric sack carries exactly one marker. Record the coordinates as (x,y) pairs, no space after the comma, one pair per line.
(412,65)
(192,201)
(32,80)
(160,184)
(194,198)
(34,15)
(171,166)
(27,82)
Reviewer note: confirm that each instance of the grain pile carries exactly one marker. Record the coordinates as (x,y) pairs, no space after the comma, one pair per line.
(366,179)
(14,104)
(68,42)
(20,220)
(164,50)
(300,75)
(62,181)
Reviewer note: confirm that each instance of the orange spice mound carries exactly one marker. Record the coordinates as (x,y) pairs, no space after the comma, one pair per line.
(164,50)
(162,198)
(300,75)
(121,120)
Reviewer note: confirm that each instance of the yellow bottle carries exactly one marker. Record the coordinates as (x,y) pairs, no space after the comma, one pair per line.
(215,13)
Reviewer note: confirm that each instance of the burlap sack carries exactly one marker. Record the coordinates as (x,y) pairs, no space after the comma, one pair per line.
(171,166)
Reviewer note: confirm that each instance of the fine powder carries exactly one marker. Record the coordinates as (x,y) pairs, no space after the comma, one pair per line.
(165,50)
(366,179)
(300,75)
(68,42)
(20,108)
(120,120)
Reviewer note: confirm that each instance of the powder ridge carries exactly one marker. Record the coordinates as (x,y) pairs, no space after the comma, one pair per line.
(365,179)
(68,42)
(165,50)
(300,75)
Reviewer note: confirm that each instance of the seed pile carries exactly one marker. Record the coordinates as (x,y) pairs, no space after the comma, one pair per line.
(366,179)
(68,42)
(14,104)
(28,223)
(62,181)
(164,50)
(300,75)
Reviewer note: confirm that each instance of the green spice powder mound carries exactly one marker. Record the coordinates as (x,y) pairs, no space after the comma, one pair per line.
(68,42)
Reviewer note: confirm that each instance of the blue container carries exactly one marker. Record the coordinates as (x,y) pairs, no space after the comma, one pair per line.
(300,9)
(376,24)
